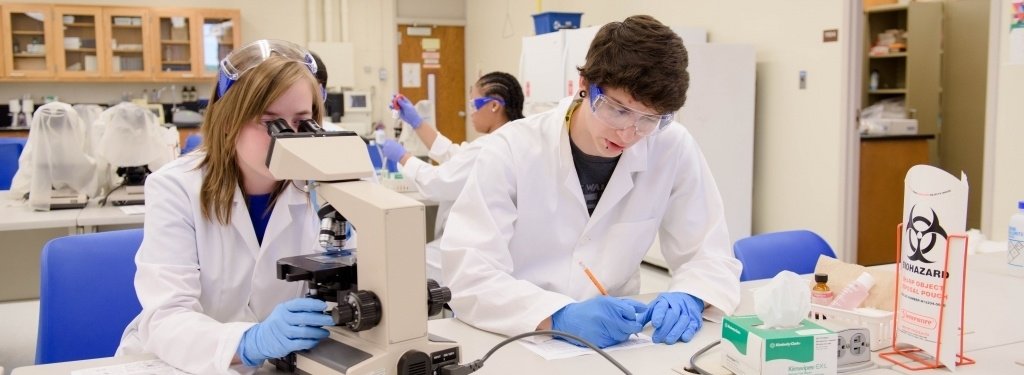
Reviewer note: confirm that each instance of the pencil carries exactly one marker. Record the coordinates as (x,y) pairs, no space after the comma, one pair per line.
(593,279)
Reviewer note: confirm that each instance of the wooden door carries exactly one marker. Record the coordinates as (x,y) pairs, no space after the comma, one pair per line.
(28,39)
(441,54)
(79,30)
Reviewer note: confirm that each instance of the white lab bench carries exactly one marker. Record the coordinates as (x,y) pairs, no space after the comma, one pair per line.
(23,232)
(995,338)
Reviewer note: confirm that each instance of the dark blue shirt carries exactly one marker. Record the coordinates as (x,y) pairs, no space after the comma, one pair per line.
(259,213)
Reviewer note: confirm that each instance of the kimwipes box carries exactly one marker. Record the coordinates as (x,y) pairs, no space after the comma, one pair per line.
(808,349)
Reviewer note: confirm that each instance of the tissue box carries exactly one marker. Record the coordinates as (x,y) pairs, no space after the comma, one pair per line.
(808,349)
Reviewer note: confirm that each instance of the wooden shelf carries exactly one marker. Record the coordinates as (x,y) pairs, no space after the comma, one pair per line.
(125,27)
(26,32)
(79,50)
(888,91)
(127,51)
(889,56)
(175,42)
(886,8)
(176,62)
(78,24)
(31,55)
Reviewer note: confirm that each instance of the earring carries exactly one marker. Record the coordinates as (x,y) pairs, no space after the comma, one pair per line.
(583,93)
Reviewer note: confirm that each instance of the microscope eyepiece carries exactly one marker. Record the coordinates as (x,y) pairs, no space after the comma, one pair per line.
(278,126)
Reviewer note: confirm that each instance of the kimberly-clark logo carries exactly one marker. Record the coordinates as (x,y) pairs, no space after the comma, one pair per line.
(923,234)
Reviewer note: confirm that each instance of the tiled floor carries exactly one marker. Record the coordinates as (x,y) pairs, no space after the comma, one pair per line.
(19,321)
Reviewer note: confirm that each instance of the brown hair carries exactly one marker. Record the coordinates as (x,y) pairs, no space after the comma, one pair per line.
(643,57)
(255,90)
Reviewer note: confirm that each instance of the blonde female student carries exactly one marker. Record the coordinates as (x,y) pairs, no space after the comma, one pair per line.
(217,221)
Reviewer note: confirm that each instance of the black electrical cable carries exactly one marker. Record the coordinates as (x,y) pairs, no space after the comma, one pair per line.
(103,202)
(477,364)
(693,359)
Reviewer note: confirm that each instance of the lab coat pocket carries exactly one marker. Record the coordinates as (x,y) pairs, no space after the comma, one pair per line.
(625,245)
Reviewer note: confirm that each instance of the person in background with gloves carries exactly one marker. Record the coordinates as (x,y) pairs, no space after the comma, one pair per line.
(593,181)
(217,221)
(497,100)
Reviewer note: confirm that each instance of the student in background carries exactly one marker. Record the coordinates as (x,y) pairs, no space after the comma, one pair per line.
(593,181)
(217,221)
(497,100)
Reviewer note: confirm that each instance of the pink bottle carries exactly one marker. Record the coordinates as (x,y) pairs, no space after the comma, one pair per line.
(855,293)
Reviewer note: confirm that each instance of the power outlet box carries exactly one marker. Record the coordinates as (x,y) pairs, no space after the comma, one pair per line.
(854,347)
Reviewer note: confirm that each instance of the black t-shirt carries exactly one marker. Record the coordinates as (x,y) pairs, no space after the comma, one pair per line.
(594,173)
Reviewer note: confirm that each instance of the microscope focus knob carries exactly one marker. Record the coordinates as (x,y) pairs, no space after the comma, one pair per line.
(437,296)
(367,310)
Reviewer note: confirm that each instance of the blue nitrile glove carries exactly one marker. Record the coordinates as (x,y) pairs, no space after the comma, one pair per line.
(406,110)
(292,326)
(675,316)
(393,150)
(602,320)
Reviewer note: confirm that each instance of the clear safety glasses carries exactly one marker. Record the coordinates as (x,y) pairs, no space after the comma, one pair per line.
(241,60)
(619,117)
(480,102)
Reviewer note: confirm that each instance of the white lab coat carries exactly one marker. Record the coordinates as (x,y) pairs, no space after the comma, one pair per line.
(203,284)
(442,184)
(520,226)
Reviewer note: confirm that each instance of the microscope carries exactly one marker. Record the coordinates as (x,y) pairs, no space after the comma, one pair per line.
(383,299)
(133,145)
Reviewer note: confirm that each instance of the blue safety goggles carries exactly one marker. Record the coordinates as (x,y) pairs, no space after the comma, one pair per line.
(241,60)
(480,102)
(619,117)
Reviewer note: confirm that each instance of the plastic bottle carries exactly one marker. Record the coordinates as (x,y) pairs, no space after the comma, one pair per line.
(873,83)
(1015,241)
(855,293)
(821,294)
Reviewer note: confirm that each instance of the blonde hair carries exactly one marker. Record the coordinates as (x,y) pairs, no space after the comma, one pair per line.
(243,103)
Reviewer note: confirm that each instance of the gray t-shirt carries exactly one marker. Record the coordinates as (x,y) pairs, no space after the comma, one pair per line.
(594,173)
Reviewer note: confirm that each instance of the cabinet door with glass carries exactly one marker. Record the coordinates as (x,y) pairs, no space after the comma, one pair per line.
(220,33)
(127,31)
(79,32)
(174,40)
(27,39)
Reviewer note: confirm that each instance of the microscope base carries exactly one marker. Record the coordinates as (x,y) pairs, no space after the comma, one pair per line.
(59,201)
(127,195)
(345,354)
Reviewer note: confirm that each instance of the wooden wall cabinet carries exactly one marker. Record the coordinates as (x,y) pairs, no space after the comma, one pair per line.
(127,30)
(79,32)
(41,42)
(191,42)
(27,39)
(219,34)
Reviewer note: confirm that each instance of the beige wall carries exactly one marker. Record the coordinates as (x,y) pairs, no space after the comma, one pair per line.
(798,159)
(1007,172)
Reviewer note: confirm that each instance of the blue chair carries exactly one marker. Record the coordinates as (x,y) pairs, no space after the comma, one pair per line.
(765,255)
(191,142)
(10,151)
(87,295)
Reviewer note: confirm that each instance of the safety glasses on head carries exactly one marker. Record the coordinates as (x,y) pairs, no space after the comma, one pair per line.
(241,60)
(480,102)
(619,117)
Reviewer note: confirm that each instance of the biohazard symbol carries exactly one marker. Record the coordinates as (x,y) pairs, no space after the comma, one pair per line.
(922,234)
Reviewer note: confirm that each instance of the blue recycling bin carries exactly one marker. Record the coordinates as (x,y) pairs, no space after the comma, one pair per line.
(548,22)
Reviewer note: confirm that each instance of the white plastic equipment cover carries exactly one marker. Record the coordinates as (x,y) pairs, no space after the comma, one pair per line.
(132,136)
(58,159)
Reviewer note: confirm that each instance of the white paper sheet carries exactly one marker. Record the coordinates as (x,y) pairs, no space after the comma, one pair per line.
(552,348)
(136,209)
(934,212)
(149,367)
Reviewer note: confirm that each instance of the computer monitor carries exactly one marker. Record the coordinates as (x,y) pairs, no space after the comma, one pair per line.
(357,102)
